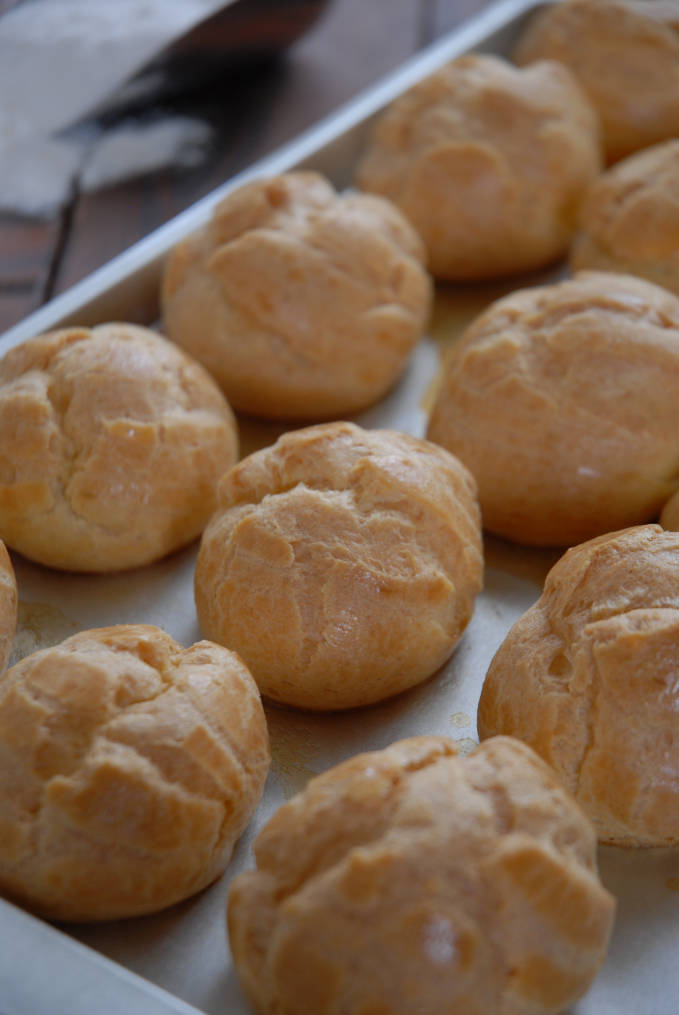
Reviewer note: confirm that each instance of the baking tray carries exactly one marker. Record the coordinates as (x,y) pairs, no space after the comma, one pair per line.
(177,961)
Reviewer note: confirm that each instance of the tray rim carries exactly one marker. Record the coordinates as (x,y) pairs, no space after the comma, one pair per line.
(82,973)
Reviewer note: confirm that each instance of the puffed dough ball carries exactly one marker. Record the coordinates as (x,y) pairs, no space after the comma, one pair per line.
(342,564)
(303,303)
(9,602)
(111,444)
(563,401)
(129,766)
(588,678)
(630,218)
(415,880)
(488,162)
(625,55)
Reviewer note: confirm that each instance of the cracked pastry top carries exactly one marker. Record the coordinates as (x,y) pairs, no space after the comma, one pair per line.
(588,679)
(342,564)
(630,218)
(412,879)
(301,302)
(489,163)
(625,55)
(563,401)
(111,444)
(9,603)
(129,766)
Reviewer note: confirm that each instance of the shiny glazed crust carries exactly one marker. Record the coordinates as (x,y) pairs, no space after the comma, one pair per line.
(342,564)
(302,303)
(111,444)
(625,56)
(588,678)
(630,218)
(489,162)
(129,766)
(9,601)
(414,880)
(562,400)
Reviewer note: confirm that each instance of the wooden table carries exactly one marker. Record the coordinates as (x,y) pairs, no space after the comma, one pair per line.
(352,45)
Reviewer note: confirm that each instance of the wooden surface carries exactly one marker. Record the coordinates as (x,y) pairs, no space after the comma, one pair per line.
(352,45)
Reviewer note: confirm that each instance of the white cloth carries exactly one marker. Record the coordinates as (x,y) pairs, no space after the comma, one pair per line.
(58,60)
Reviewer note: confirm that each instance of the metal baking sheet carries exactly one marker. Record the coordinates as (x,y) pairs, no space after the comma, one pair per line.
(177,961)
